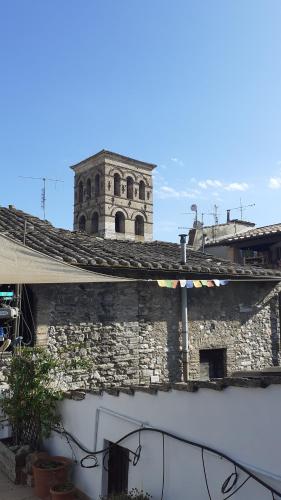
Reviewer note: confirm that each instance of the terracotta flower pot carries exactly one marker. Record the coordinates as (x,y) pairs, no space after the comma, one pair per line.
(63,492)
(48,472)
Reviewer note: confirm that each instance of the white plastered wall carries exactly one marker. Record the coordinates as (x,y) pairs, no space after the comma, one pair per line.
(244,423)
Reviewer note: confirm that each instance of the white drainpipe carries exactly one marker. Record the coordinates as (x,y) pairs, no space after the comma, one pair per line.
(184,315)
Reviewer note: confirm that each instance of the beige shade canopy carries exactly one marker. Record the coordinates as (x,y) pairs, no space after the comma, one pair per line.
(21,264)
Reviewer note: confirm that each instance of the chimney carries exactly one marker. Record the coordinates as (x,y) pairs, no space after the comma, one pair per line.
(228,216)
(183,247)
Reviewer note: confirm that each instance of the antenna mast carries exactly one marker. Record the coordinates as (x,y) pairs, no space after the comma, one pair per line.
(215,215)
(43,190)
(241,208)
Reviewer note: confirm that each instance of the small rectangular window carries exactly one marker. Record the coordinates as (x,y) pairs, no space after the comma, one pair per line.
(212,363)
(118,469)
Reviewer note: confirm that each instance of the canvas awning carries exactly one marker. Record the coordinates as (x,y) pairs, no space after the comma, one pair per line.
(21,264)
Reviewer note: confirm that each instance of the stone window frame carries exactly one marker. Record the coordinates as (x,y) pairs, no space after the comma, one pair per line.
(130,187)
(80,191)
(117,184)
(97,184)
(139,225)
(83,229)
(120,222)
(95,221)
(89,188)
(141,190)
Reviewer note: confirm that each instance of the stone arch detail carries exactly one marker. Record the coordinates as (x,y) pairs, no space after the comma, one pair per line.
(119,209)
(115,170)
(142,178)
(139,212)
(129,173)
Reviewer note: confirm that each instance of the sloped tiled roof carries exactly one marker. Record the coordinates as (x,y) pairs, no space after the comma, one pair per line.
(258,232)
(155,259)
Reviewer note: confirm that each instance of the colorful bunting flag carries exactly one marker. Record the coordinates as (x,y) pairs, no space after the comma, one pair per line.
(161,283)
(191,283)
(169,283)
(224,282)
(197,284)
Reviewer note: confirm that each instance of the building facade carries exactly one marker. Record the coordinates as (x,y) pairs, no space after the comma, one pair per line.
(259,246)
(135,332)
(113,197)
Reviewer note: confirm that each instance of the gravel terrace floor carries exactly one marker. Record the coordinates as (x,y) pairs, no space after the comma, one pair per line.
(10,491)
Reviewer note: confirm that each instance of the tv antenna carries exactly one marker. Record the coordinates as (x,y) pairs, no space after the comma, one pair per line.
(193,209)
(241,208)
(215,215)
(43,190)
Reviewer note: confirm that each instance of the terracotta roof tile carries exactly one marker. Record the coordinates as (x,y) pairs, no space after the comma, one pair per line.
(258,232)
(155,259)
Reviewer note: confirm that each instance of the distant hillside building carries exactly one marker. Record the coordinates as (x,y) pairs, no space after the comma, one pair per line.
(113,197)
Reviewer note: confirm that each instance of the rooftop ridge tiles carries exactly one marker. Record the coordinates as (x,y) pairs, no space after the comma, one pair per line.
(251,233)
(83,249)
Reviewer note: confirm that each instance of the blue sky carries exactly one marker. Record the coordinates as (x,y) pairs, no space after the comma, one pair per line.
(194,86)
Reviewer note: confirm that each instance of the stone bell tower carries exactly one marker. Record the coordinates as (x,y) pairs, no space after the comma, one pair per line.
(113,197)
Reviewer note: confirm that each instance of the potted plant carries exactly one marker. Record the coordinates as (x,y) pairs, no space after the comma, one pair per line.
(31,401)
(30,404)
(134,494)
(49,472)
(63,491)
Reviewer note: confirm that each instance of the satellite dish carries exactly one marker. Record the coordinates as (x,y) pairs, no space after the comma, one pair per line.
(193,208)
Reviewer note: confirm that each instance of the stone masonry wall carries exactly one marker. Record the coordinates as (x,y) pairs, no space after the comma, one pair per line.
(242,318)
(130,333)
(111,334)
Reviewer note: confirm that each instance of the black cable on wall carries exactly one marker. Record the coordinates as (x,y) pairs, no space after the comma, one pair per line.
(228,485)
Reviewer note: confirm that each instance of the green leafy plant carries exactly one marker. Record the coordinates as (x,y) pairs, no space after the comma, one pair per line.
(63,487)
(31,401)
(134,494)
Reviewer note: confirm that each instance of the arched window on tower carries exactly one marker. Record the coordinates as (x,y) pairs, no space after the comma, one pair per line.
(130,188)
(142,190)
(117,184)
(80,192)
(95,223)
(82,223)
(89,189)
(97,185)
(119,222)
(139,226)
